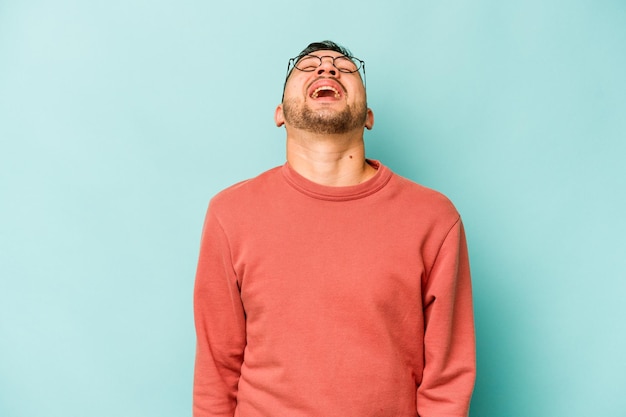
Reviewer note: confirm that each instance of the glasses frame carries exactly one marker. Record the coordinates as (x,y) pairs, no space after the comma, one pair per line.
(291,65)
(356,61)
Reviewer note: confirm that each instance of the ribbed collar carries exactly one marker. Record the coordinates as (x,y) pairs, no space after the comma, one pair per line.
(352,192)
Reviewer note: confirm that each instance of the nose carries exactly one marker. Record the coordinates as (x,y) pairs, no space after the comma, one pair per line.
(327,66)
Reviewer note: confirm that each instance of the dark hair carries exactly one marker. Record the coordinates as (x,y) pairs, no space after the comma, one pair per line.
(318,46)
(326,46)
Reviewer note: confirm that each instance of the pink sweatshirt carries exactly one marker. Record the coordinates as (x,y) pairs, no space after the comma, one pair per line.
(316,301)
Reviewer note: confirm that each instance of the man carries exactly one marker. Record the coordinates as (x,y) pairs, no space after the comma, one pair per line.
(329,286)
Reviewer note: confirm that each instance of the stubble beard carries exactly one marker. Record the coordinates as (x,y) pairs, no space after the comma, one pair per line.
(324,121)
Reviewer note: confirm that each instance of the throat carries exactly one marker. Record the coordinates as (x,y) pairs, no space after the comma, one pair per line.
(327,94)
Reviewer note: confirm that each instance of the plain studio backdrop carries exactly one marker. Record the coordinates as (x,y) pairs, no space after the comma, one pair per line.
(120,119)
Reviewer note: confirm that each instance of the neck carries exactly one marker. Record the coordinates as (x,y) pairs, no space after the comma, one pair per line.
(332,160)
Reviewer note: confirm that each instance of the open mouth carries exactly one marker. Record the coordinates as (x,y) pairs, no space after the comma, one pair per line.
(325,91)
(326,88)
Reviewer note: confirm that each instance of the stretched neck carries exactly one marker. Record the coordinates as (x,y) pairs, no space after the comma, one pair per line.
(332,160)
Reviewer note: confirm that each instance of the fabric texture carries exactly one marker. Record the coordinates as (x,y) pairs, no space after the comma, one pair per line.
(316,301)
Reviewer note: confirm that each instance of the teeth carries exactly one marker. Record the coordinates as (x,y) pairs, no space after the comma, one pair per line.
(324,88)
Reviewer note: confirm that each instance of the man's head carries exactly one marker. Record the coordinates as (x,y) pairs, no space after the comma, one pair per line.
(324,46)
(324,91)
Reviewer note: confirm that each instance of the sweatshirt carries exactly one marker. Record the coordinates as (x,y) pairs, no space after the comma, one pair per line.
(318,301)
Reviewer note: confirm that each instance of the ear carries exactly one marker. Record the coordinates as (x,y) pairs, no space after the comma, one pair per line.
(279,117)
(369,119)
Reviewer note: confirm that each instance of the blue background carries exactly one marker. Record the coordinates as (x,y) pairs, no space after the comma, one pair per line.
(120,119)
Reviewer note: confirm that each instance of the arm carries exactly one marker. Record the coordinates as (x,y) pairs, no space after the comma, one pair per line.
(220,326)
(449,345)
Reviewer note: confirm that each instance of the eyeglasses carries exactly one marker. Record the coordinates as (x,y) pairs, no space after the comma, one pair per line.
(309,63)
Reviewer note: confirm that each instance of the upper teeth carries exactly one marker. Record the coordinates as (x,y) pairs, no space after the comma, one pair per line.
(324,88)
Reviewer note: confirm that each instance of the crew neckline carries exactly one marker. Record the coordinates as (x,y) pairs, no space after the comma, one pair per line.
(344,193)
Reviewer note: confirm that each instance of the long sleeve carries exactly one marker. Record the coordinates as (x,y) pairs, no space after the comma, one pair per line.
(220,326)
(449,344)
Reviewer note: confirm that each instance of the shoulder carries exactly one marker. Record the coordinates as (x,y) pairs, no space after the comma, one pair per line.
(243,193)
(424,200)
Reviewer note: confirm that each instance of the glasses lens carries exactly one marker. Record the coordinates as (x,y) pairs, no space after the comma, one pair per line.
(345,64)
(308,63)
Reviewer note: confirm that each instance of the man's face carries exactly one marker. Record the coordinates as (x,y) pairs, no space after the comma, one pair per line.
(325,100)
